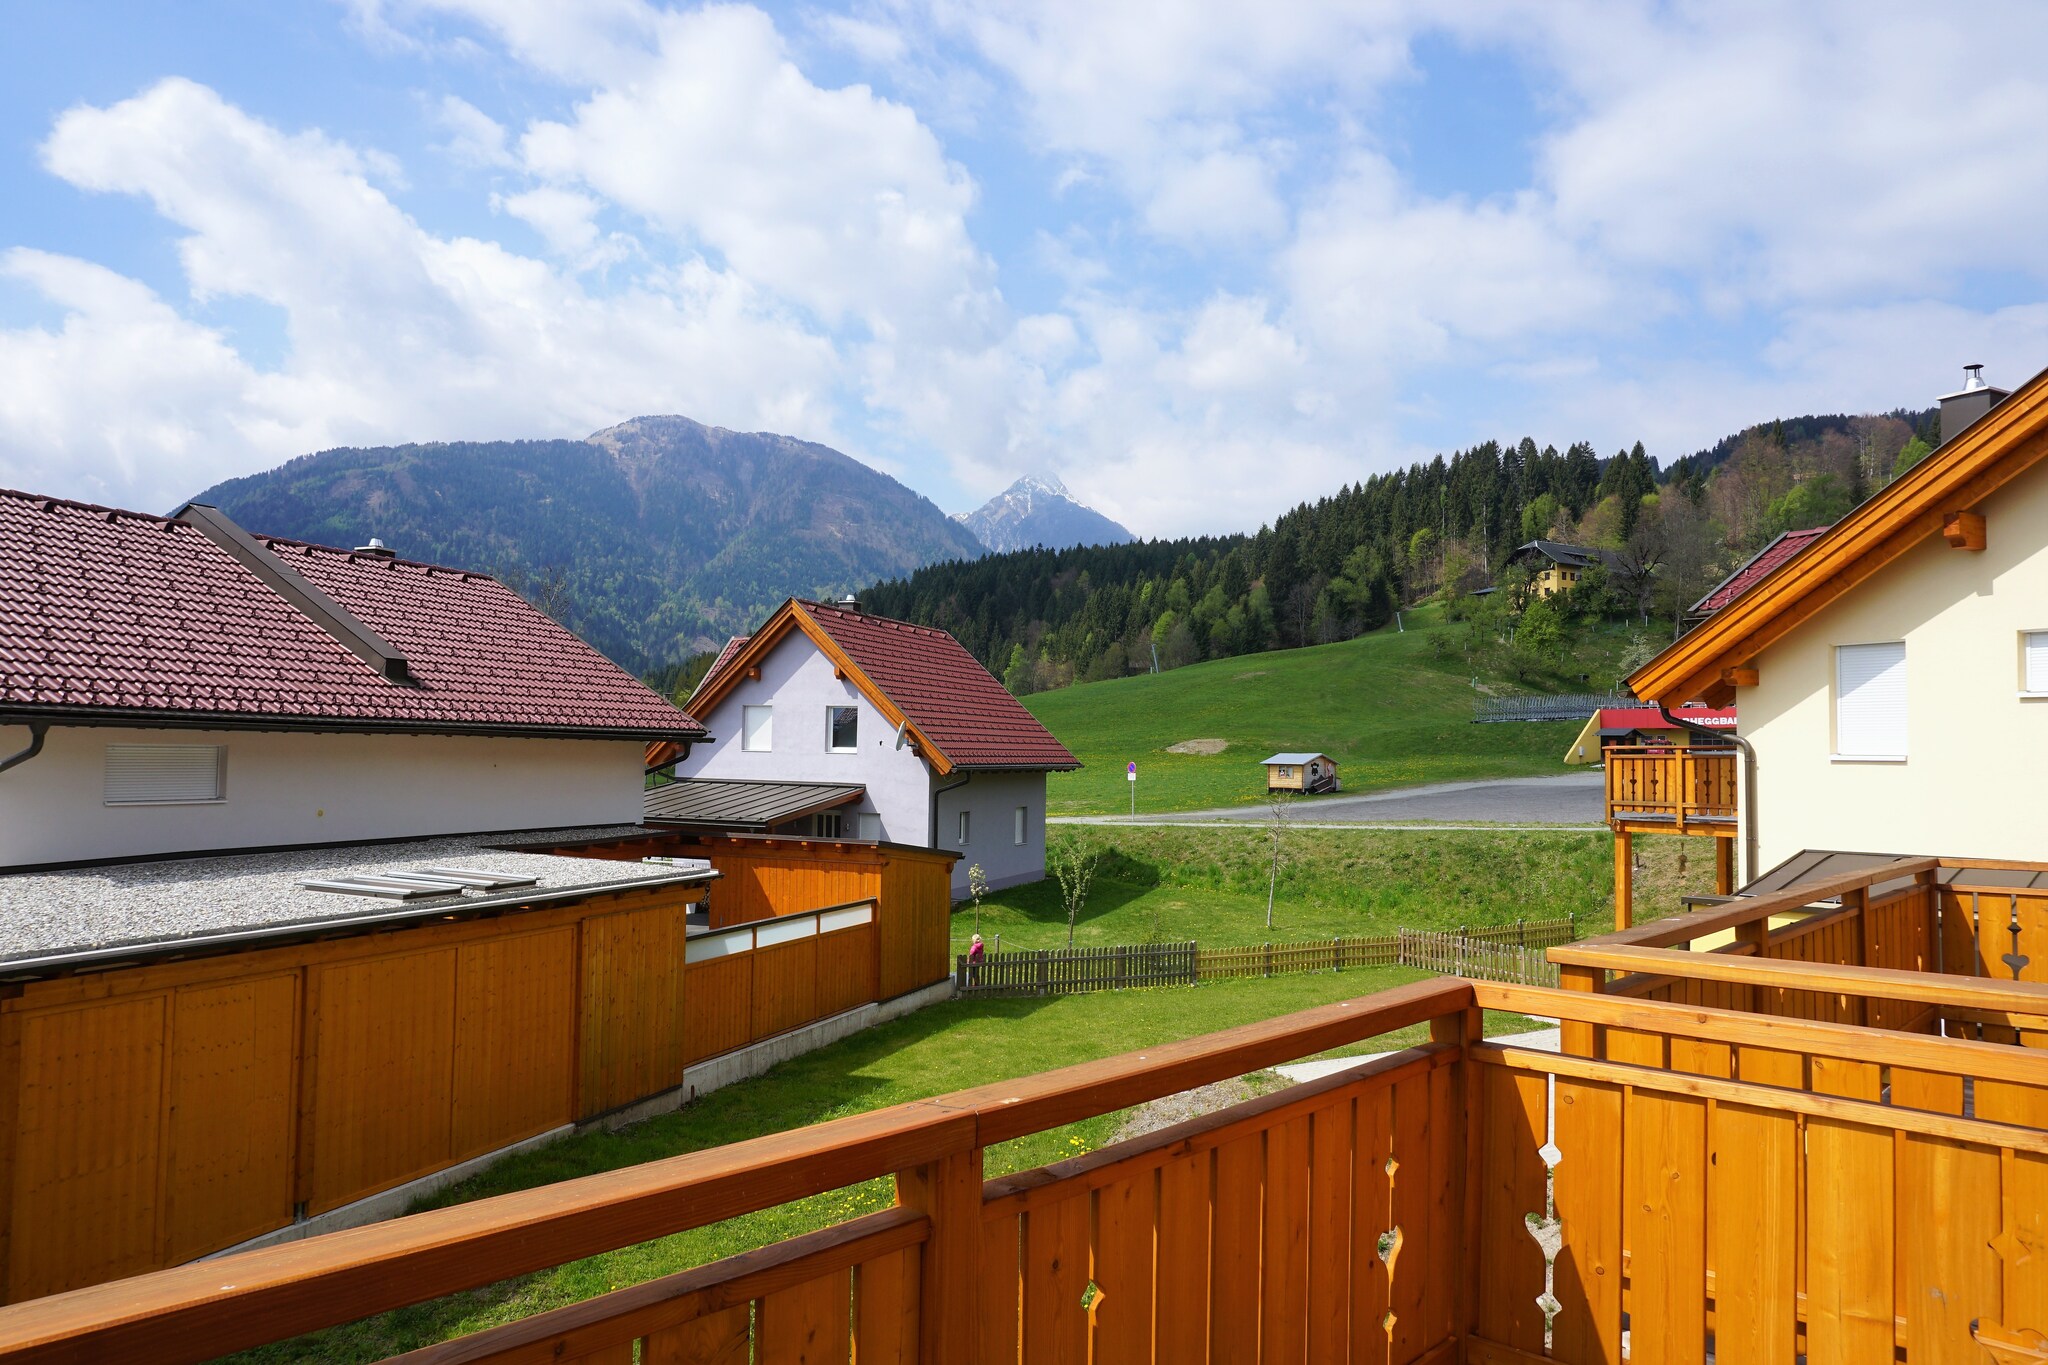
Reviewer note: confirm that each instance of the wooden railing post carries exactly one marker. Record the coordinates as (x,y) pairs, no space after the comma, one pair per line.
(1624,879)
(1576,1036)
(1724,866)
(1463,1030)
(948,1191)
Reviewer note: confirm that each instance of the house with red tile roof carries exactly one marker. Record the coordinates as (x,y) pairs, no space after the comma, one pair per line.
(826,693)
(1751,572)
(172,685)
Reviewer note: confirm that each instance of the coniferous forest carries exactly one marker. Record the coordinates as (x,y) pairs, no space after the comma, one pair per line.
(1342,566)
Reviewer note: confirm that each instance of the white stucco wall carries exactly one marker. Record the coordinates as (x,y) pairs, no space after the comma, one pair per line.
(991,800)
(797,681)
(298,788)
(1975,778)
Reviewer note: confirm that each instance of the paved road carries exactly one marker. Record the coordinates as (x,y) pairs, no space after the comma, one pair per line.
(1567,799)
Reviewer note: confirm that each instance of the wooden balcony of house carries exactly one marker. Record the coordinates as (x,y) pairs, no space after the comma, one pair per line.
(1666,789)
(1717,1185)
(1670,789)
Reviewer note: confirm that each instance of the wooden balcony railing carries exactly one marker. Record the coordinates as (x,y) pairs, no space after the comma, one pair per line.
(1686,790)
(1758,1188)
(1915,944)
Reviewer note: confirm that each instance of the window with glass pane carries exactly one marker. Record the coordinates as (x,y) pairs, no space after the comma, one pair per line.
(842,726)
(963,829)
(757,729)
(1870,700)
(1023,825)
(2034,658)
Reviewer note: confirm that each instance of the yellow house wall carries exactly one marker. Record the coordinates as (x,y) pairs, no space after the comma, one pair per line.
(1972,782)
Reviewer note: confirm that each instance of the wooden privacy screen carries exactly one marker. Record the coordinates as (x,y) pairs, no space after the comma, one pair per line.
(759,980)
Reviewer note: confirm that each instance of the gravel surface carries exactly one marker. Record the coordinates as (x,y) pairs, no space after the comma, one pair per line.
(177,898)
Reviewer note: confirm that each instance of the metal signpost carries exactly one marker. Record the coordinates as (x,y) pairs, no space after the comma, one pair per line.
(1131,776)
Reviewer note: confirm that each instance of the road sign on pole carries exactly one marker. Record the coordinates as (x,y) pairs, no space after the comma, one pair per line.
(1131,776)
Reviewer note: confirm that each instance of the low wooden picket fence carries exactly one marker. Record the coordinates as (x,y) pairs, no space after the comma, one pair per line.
(1504,952)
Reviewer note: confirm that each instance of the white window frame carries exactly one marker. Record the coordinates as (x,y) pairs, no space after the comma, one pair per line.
(1023,826)
(199,756)
(1870,689)
(965,827)
(2033,683)
(748,732)
(832,748)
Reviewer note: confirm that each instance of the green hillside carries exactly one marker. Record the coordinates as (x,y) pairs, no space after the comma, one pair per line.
(1394,709)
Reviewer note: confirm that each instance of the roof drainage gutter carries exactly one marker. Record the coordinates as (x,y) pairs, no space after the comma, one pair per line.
(38,731)
(1749,840)
(938,792)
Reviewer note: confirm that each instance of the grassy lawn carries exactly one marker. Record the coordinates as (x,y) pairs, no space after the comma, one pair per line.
(1209,885)
(946,1047)
(1394,709)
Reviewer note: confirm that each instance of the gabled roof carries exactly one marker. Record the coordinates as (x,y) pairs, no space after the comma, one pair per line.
(1293,758)
(718,666)
(1984,457)
(1755,569)
(919,677)
(1570,556)
(108,615)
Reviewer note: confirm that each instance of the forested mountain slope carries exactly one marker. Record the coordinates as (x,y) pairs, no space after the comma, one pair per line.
(653,539)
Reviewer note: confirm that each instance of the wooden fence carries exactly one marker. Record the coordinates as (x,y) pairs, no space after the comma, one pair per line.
(1717,1186)
(1503,952)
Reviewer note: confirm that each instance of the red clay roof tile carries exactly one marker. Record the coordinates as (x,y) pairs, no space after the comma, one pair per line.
(944,691)
(109,609)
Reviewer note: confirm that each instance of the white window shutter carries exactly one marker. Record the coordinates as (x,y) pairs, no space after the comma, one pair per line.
(1870,700)
(2035,646)
(165,774)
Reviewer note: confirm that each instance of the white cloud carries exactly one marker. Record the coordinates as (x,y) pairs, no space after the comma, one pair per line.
(394,333)
(835,199)
(474,137)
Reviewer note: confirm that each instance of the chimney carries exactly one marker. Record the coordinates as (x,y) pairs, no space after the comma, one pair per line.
(1967,404)
(848,603)
(376,549)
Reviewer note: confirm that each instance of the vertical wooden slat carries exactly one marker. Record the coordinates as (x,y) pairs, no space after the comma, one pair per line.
(1587,1274)
(1664,1187)
(1940,1092)
(1182,1323)
(721,1338)
(2022,1245)
(1849,1275)
(1372,1217)
(1234,1251)
(999,1333)
(1408,1273)
(1508,1261)
(1329,1234)
(1283,1291)
(1754,1234)
(1055,1280)
(885,1309)
(952,1329)
(807,1324)
(515,1010)
(1949,1216)
(1125,1215)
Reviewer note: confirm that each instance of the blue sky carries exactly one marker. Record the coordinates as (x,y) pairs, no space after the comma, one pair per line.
(1200,260)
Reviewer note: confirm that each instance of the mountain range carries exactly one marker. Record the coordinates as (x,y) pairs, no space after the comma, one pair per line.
(1038,510)
(653,539)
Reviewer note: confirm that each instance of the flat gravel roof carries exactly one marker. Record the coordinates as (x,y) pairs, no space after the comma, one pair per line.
(181,900)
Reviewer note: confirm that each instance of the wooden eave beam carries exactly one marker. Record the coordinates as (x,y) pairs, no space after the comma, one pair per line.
(1997,448)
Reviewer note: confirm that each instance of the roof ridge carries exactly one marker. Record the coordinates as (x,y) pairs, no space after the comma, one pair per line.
(49,500)
(273,542)
(877,618)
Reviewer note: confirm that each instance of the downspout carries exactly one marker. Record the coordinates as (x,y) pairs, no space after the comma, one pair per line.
(1749,853)
(37,731)
(937,792)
